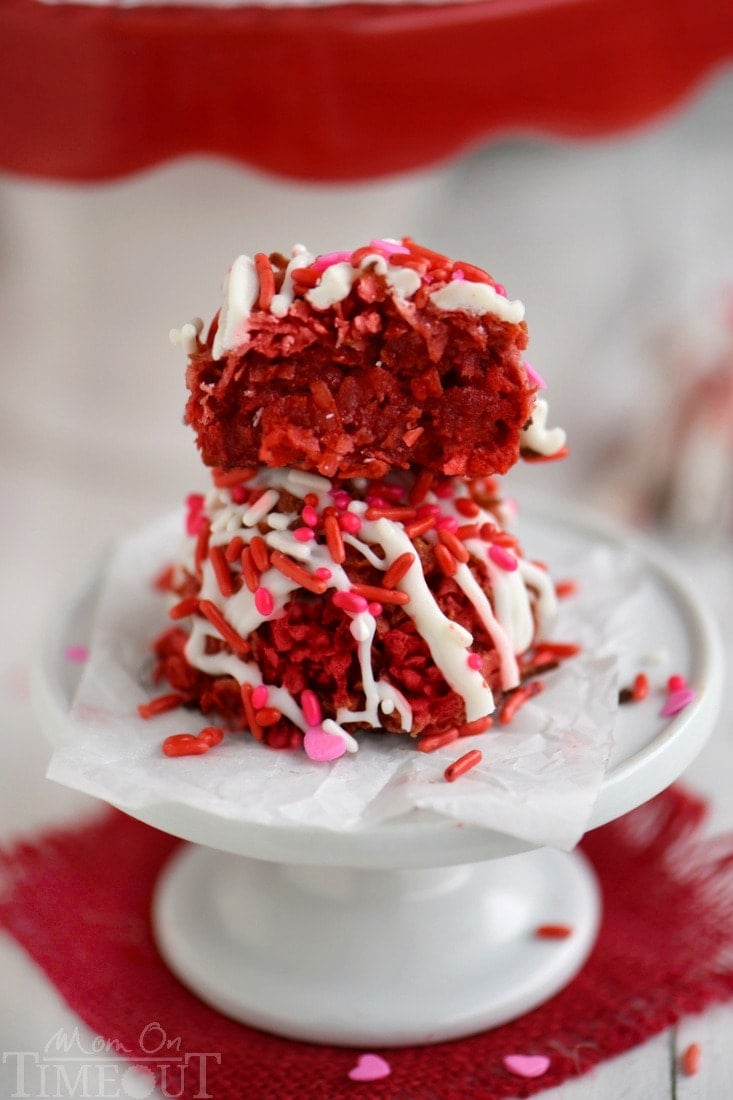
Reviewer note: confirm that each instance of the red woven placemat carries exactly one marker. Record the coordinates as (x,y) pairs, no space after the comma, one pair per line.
(79,902)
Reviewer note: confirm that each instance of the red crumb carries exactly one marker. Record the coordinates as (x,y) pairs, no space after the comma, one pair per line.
(160,705)
(371,384)
(518,698)
(429,742)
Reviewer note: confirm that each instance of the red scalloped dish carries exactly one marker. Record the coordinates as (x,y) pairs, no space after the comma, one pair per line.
(336,93)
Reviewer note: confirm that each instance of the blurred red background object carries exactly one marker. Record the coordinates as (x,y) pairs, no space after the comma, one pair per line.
(335,93)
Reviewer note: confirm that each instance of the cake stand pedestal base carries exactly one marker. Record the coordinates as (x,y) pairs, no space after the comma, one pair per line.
(374,958)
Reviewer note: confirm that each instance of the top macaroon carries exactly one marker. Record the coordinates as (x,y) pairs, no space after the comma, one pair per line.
(352,364)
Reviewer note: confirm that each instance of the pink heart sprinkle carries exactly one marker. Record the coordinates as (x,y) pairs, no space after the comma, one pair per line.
(526,1065)
(677,701)
(322,746)
(370,1067)
(76,653)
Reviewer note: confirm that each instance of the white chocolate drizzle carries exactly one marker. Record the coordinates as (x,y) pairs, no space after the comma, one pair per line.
(336,279)
(537,436)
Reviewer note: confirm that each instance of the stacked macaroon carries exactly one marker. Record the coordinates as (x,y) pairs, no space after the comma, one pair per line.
(350,568)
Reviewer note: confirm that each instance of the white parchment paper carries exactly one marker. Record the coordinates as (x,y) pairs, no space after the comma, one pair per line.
(538,780)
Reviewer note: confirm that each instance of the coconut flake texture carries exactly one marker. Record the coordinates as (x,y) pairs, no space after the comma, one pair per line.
(358,363)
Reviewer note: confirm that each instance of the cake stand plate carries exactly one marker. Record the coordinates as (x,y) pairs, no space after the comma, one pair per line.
(420,929)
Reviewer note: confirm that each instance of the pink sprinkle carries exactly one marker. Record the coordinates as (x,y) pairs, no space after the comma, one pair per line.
(350,601)
(350,522)
(375,609)
(310,516)
(444,489)
(76,653)
(328,259)
(676,683)
(526,1065)
(474,661)
(429,510)
(260,696)
(534,376)
(311,707)
(447,523)
(304,534)
(323,573)
(503,558)
(389,248)
(264,601)
(457,276)
(500,289)
(375,501)
(677,701)
(341,498)
(194,513)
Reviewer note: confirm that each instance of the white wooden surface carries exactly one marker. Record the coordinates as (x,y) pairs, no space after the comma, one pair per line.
(602,242)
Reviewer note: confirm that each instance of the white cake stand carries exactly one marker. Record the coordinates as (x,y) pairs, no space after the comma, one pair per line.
(421,929)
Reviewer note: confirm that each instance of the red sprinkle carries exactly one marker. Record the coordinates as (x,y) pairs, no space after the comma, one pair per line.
(429,742)
(479,725)
(260,553)
(445,560)
(676,683)
(463,764)
(268,716)
(249,712)
(454,544)
(211,612)
(467,531)
(381,595)
(518,698)
(220,566)
(691,1059)
(640,687)
(249,570)
(553,931)
(561,650)
(184,744)
(266,275)
(234,549)
(419,527)
(395,512)
(160,704)
(187,606)
(421,487)
(565,588)
(224,479)
(467,507)
(397,569)
(334,540)
(202,544)
(297,573)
